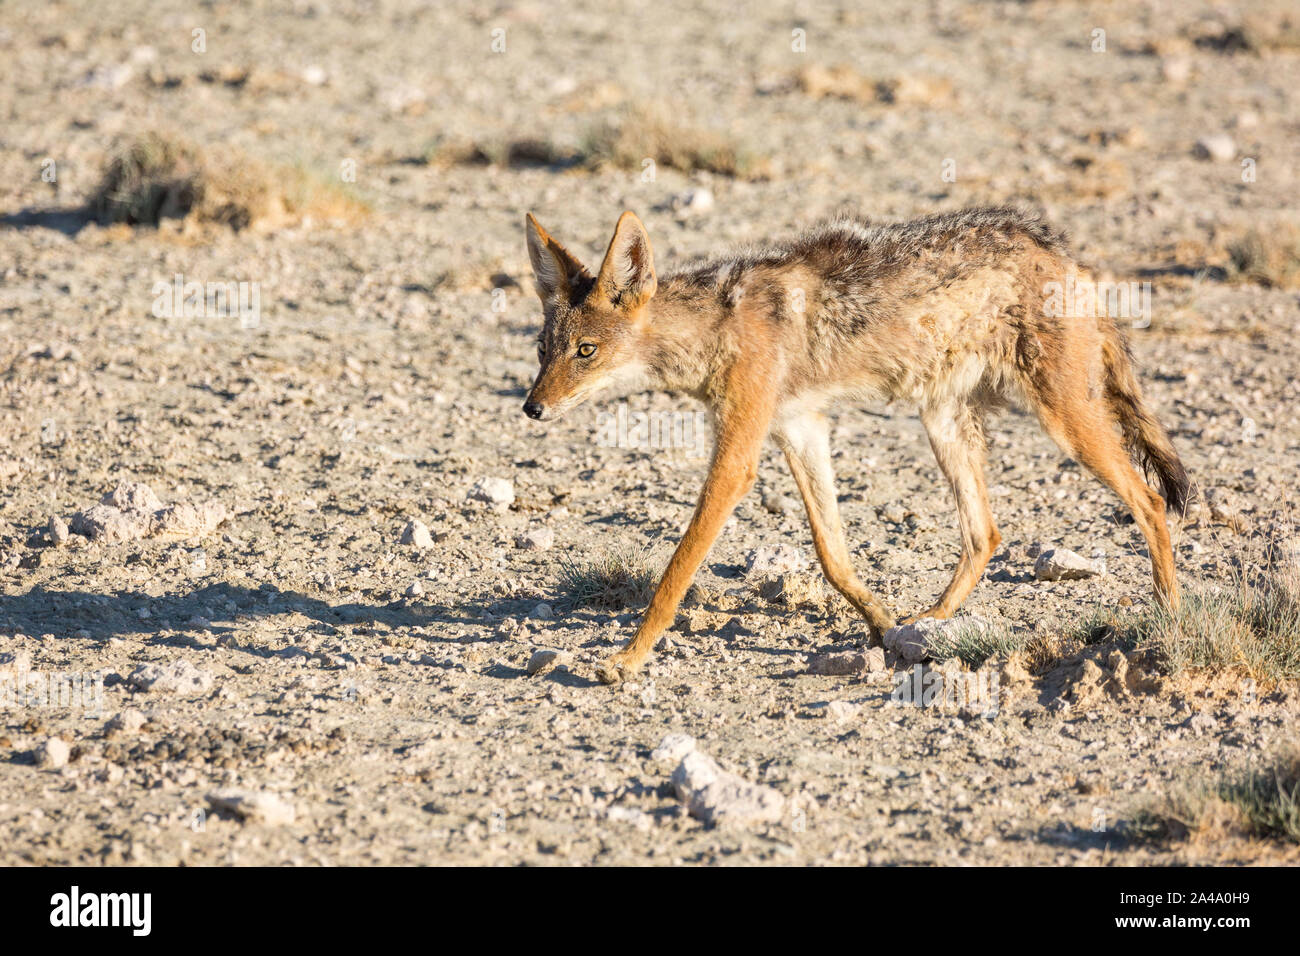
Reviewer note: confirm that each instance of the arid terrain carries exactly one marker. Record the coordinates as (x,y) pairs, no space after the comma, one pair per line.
(269,663)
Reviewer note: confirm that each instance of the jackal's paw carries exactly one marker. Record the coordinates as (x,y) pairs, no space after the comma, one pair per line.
(616,669)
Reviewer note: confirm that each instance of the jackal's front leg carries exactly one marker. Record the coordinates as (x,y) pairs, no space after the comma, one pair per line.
(731,475)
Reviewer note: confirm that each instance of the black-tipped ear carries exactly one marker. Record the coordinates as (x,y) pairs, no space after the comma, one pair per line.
(627,276)
(554,269)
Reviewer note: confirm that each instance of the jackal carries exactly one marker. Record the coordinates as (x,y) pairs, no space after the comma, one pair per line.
(947,312)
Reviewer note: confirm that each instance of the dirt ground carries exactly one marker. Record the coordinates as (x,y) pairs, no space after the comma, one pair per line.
(379,691)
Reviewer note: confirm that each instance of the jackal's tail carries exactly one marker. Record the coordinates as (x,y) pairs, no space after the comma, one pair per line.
(1145,437)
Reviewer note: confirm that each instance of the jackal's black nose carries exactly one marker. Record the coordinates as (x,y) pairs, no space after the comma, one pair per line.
(532,410)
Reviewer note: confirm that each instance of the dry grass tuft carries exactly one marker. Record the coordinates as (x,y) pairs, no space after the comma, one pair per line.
(1259,803)
(1270,258)
(156,177)
(652,133)
(612,581)
(1247,629)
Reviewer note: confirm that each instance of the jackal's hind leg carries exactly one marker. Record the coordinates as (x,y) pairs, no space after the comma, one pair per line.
(806,443)
(957,437)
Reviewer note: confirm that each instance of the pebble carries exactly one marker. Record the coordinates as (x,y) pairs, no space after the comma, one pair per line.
(723,799)
(58,530)
(499,492)
(252,806)
(178,677)
(128,721)
(673,748)
(1061,564)
(1217,146)
(536,539)
(416,533)
(779,504)
(546,659)
(52,754)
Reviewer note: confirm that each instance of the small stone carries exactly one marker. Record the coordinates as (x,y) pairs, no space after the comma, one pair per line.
(1176,69)
(57,530)
(546,659)
(498,492)
(128,721)
(536,539)
(694,772)
(673,747)
(187,520)
(723,799)
(132,496)
(841,664)
(839,711)
(544,612)
(779,504)
(775,560)
(1061,564)
(52,754)
(415,590)
(416,533)
(252,806)
(109,524)
(1217,146)
(178,677)
(793,590)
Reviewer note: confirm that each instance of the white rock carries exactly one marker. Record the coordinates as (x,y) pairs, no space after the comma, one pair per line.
(57,530)
(128,721)
(499,492)
(536,539)
(52,754)
(1061,564)
(109,524)
(724,799)
(695,772)
(545,659)
(544,612)
(774,560)
(673,748)
(416,533)
(255,806)
(779,504)
(1217,146)
(132,496)
(839,711)
(178,677)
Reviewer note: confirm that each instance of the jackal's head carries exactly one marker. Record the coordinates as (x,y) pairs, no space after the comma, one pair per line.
(591,327)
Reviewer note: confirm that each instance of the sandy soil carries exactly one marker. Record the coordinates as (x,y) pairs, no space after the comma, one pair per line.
(380,689)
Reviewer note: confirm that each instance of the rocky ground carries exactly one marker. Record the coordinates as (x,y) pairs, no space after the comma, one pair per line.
(267,662)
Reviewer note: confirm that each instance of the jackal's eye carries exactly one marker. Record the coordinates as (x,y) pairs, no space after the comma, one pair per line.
(586,350)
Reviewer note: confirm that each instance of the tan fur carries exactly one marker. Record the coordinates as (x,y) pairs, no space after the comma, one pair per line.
(946,312)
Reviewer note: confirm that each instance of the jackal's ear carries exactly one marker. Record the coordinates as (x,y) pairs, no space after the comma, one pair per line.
(627,276)
(554,269)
